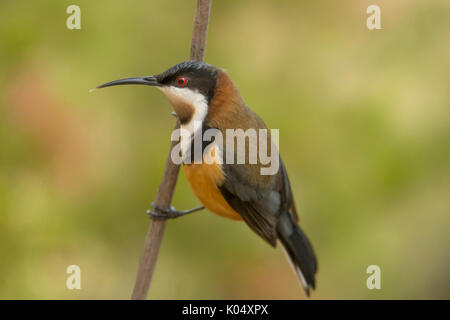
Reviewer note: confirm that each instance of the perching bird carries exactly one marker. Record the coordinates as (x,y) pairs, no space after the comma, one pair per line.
(202,93)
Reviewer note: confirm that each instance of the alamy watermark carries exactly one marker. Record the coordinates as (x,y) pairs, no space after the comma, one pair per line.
(373,21)
(74,279)
(374,280)
(74,20)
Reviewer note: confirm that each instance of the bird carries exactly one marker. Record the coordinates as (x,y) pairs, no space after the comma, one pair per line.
(205,97)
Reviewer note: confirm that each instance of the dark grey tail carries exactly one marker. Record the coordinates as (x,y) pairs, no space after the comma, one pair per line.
(299,250)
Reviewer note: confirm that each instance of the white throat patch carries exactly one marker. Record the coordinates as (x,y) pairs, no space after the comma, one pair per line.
(193,98)
(200,105)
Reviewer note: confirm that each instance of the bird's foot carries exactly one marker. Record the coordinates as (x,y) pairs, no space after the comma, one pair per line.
(171,213)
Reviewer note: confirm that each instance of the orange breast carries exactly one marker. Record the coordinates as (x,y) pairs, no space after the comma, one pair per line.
(204,179)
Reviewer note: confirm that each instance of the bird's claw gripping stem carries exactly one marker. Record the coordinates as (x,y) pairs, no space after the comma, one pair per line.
(170,213)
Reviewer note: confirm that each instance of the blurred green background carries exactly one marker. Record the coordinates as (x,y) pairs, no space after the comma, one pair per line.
(364,132)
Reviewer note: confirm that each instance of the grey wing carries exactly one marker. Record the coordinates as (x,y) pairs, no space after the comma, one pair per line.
(256,198)
(287,200)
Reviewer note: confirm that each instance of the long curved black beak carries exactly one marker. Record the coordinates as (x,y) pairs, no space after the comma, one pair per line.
(148,81)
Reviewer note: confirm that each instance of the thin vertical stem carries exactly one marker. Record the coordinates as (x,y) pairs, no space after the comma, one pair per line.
(166,189)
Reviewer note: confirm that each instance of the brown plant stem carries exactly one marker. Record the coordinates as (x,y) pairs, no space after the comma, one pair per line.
(166,189)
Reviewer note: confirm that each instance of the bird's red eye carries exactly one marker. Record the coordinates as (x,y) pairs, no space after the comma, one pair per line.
(181,81)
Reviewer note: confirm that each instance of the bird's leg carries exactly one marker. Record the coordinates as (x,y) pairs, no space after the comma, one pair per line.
(159,213)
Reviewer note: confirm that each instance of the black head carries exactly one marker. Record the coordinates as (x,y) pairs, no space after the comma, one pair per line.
(193,75)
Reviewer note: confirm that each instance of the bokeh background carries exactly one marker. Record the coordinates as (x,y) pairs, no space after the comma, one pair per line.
(364,131)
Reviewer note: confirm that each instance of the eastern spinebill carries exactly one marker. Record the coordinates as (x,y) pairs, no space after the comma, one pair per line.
(204,93)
